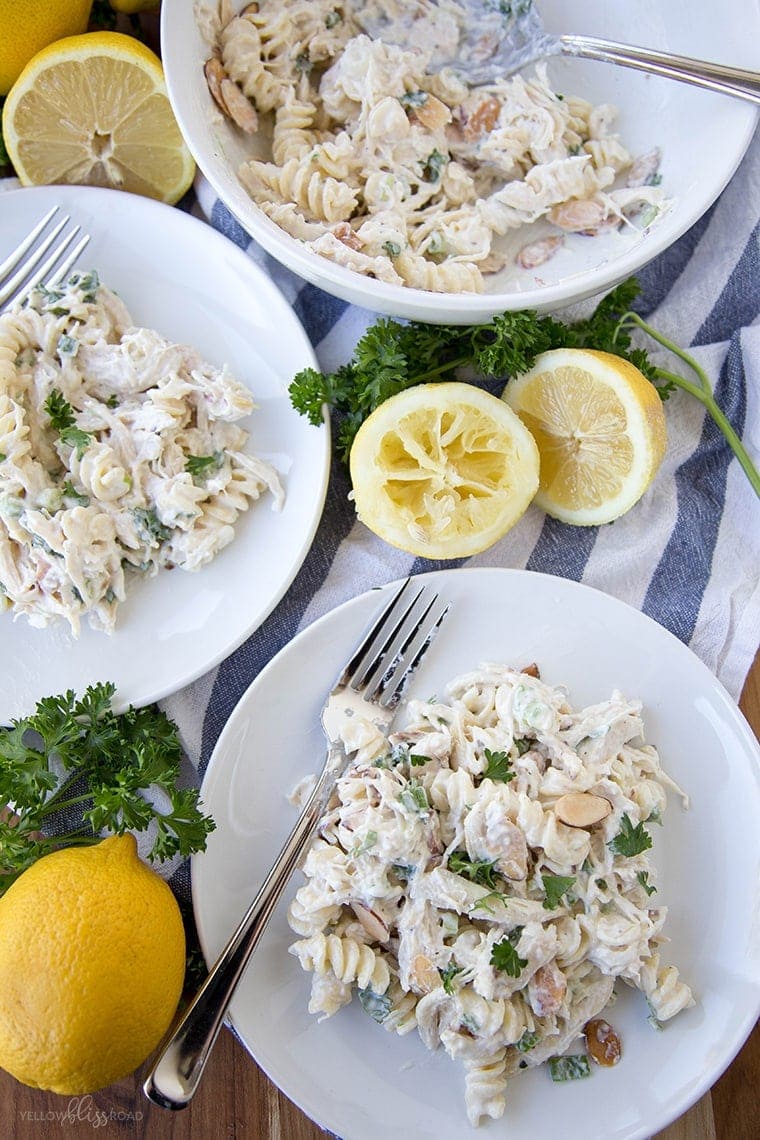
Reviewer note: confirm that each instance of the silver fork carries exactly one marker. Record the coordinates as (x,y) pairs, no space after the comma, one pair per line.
(371,685)
(24,267)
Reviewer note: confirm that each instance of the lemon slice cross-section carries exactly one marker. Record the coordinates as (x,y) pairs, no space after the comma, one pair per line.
(600,429)
(443,470)
(93,109)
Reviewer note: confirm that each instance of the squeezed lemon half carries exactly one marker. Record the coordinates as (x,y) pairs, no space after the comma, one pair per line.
(443,470)
(600,429)
(93,110)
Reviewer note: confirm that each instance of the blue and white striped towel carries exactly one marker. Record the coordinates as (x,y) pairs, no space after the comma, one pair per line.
(687,555)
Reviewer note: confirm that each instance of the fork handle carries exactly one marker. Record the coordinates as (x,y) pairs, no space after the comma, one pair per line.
(714,76)
(178,1068)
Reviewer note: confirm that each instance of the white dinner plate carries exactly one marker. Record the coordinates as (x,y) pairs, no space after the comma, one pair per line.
(363,1083)
(178,275)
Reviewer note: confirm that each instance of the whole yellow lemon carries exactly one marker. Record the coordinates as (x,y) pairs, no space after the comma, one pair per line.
(92,961)
(28,25)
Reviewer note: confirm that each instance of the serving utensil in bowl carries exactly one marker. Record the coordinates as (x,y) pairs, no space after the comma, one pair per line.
(494,40)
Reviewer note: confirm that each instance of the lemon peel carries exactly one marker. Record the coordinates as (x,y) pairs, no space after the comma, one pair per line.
(93,110)
(92,962)
(600,429)
(443,470)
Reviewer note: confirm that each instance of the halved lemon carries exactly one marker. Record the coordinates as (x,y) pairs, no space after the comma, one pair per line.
(600,429)
(443,470)
(93,109)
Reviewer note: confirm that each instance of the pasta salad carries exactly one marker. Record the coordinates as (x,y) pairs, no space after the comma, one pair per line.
(482,876)
(119,455)
(386,164)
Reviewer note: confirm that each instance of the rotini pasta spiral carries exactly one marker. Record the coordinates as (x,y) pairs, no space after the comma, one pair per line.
(349,960)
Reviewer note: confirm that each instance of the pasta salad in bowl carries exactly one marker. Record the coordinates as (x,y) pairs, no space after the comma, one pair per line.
(393,182)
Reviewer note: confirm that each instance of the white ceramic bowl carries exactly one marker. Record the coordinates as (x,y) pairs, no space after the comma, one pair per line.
(702,137)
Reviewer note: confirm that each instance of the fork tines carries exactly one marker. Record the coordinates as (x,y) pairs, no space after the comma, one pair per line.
(24,267)
(404,631)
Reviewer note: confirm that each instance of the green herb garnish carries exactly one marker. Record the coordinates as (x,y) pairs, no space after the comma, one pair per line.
(151,529)
(107,761)
(573,1068)
(391,357)
(504,956)
(201,466)
(433,166)
(555,887)
(378,1006)
(448,973)
(498,767)
(69,491)
(414,797)
(333,18)
(412,99)
(630,840)
(476,870)
(392,248)
(527,1042)
(643,881)
(61,415)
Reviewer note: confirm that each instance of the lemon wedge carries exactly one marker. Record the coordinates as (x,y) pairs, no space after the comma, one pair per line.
(600,429)
(93,109)
(442,470)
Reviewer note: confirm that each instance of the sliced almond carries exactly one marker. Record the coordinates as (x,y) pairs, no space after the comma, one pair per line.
(375,926)
(344,233)
(215,75)
(424,974)
(602,1042)
(432,113)
(582,809)
(239,107)
(482,119)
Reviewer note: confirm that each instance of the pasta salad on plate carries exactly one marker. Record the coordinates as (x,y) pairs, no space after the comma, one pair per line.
(482,876)
(119,455)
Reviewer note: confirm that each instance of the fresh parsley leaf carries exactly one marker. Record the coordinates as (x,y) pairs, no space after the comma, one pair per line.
(630,840)
(575,1067)
(75,755)
(69,491)
(504,956)
(498,767)
(476,870)
(555,887)
(417,761)
(643,880)
(523,745)
(448,973)
(201,466)
(149,526)
(61,416)
(485,903)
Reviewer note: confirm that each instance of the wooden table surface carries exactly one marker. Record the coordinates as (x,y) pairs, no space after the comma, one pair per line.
(237,1102)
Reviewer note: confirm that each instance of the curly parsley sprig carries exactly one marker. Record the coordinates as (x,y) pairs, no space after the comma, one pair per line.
(391,357)
(77,755)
